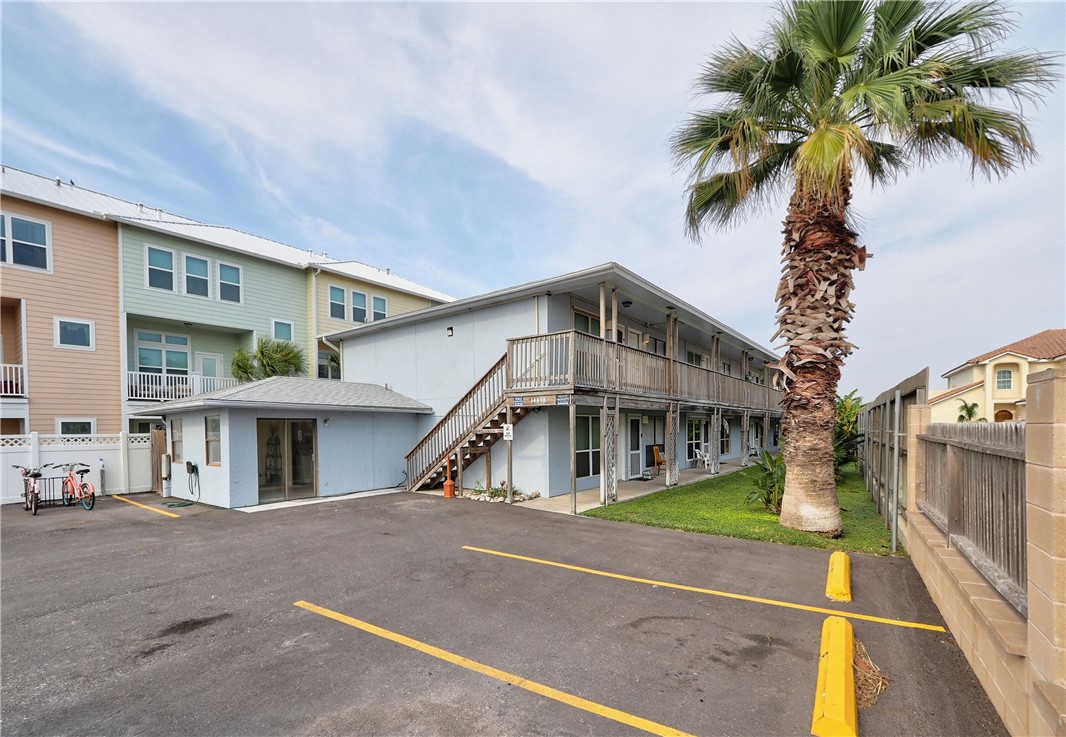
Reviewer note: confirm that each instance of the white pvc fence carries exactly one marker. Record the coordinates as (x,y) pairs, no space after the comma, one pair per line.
(124,459)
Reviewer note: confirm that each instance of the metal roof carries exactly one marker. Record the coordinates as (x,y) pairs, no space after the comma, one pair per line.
(67,196)
(289,392)
(630,283)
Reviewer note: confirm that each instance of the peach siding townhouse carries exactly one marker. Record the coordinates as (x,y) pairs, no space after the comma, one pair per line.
(59,319)
(997,380)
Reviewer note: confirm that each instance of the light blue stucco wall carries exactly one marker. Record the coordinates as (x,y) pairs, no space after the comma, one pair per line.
(269,291)
(355,451)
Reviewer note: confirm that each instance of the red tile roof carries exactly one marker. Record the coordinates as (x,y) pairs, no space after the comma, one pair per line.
(1044,345)
(954,392)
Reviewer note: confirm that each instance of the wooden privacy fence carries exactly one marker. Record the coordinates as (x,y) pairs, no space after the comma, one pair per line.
(975,493)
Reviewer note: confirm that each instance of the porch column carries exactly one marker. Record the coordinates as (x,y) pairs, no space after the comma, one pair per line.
(459,473)
(510,458)
(614,315)
(766,431)
(573,456)
(716,440)
(673,421)
(603,309)
(745,447)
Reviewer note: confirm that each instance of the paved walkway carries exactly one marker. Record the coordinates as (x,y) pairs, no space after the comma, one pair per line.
(627,490)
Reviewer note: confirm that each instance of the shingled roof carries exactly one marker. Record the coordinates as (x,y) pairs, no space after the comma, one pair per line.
(1042,346)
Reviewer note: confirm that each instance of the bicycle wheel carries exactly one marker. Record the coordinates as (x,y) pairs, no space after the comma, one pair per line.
(26,500)
(33,503)
(88,497)
(68,494)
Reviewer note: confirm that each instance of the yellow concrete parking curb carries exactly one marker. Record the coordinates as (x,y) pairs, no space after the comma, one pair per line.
(838,582)
(834,700)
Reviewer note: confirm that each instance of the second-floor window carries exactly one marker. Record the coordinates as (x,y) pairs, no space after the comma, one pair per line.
(587,324)
(162,353)
(336,303)
(160,268)
(1004,379)
(380,308)
(229,283)
(282,330)
(70,333)
(25,242)
(696,359)
(196,276)
(358,307)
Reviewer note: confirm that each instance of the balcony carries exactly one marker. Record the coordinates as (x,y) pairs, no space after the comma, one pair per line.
(12,380)
(575,361)
(148,387)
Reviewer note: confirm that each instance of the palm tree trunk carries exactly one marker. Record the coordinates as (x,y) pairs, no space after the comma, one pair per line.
(820,255)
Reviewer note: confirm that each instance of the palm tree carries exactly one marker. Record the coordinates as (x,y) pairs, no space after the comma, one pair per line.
(833,90)
(968,412)
(270,358)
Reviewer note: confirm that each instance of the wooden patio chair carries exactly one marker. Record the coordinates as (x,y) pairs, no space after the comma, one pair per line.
(660,462)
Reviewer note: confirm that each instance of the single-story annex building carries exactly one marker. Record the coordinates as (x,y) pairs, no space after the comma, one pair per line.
(287,438)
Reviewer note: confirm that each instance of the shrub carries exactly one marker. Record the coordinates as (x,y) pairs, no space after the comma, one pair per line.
(769,482)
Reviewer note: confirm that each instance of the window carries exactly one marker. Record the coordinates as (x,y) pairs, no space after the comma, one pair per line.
(176,449)
(336,303)
(380,308)
(229,283)
(75,425)
(25,242)
(695,359)
(588,446)
(196,276)
(162,353)
(726,368)
(329,365)
(282,330)
(160,268)
(1004,379)
(358,307)
(70,333)
(213,432)
(587,324)
(725,439)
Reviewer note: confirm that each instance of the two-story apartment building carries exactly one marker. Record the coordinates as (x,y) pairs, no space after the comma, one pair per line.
(600,367)
(110,307)
(997,380)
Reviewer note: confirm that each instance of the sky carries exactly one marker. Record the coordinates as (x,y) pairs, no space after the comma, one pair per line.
(472,147)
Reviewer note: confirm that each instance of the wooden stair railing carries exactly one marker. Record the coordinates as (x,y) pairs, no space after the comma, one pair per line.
(474,413)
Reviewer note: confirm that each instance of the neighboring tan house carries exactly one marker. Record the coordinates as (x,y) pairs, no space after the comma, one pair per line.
(602,368)
(997,380)
(59,315)
(346,293)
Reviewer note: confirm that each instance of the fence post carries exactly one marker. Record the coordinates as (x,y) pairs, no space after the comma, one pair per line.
(953,514)
(1045,507)
(35,450)
(124,451)
(917,424)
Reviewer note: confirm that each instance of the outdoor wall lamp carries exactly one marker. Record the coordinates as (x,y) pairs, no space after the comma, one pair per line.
(450,332)
(627,304)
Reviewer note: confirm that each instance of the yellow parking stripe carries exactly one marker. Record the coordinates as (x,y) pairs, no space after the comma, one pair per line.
(145,506)
(712,592)
(538,688)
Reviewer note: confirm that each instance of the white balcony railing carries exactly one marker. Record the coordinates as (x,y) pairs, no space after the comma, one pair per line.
(12,380)
(144,386)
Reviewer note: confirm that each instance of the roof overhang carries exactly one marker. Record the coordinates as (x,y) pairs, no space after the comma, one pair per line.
(161,410)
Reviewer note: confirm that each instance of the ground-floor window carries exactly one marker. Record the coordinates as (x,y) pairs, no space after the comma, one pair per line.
(725,446)
(213,430)
(75,425)
(588,446)
(329,365)
(176,441)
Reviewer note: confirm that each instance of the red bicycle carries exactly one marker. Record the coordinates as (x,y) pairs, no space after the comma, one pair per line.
(75,487)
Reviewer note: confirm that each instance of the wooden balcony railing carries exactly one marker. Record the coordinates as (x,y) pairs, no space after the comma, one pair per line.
(577,361)
(12,380)
(144,386)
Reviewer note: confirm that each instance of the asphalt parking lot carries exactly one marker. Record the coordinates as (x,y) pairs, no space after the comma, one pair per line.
(125,621)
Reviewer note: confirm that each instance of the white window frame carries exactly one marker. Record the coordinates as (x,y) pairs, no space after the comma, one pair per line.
(90,420)
(343,303)
(177,440)
(163,347)
(589,330)
(373,308)
(9,243)
(365,308)
(594,451)
(92,333)
(274,330)
(1009,379)
(219,282)
(208,441)
(185,275)
(173,268)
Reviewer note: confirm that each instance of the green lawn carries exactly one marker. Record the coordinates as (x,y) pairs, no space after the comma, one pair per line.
(717,507)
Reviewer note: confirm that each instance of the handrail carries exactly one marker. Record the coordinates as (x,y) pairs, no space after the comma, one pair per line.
(12,383)
(472,409)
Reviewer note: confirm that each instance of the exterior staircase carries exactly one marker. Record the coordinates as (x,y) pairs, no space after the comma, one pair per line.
(469,429)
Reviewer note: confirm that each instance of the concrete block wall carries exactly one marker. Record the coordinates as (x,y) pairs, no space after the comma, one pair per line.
(1020,662)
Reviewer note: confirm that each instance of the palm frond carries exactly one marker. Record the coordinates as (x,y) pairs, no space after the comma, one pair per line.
(996,141)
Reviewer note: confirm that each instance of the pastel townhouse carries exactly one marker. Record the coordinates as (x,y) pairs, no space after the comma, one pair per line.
(59,310)
(599,376)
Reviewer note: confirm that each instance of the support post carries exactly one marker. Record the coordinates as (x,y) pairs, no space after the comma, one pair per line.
(459,472)
(573,456)
(488,469)
(510,459)
(895,474)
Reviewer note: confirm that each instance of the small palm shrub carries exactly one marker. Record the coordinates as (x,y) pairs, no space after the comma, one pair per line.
(769,482)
